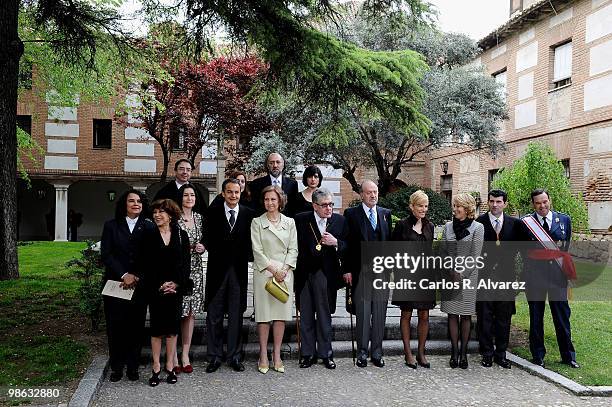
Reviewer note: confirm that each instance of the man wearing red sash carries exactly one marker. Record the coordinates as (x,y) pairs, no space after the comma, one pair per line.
(548,267)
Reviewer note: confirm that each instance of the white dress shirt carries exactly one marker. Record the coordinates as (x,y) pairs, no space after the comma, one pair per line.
(367,211)
(492,218)
(131,223)
(228,214)
(321,222)
(179,185)
(279,181)
(549,219)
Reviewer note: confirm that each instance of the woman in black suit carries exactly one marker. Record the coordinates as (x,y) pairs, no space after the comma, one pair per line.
(166,262)
(416,228)
(125,319)
(311,179)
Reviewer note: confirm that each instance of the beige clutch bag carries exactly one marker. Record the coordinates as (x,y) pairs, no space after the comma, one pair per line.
(278,290)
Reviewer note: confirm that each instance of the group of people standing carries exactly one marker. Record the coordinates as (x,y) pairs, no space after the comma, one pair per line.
(295,239)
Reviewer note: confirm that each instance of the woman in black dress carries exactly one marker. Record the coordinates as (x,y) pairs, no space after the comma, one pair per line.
(416,228)
(311,179)
(166,262)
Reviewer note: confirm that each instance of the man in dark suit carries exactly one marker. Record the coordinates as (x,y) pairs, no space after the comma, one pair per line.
(495,313)
(322,238)
(367,222)
(546,278)
(275,164)
(125,319)
(227,237)
(183,169)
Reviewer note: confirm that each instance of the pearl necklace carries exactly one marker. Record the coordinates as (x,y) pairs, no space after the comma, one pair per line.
(274,221)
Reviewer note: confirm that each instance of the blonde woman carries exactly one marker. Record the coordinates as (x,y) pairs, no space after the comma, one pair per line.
(463,237)
(416,228)
(274,240)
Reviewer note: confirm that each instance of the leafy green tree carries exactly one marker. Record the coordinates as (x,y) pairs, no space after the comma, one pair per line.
(26,147)
(540,168)
(319,67)
(463,105)
(69,33)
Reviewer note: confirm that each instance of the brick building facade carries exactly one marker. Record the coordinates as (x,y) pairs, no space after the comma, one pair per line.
(555,61)
(553,57)
(89,159)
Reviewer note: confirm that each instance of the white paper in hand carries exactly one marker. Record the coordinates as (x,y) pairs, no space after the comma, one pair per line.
(112,288)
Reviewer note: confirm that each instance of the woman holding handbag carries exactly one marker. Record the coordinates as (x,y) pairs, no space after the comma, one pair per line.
(274,240)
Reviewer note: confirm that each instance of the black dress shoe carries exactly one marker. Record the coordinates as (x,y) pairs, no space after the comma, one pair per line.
(115,376)
(213,366)
(410,365)
(486,361)
(132,375)
(453,363)
(306,362)
(237,366)
(361,362)
(378,362)
(572,363)
(538,362)
(329,363)
(463,363)
(503,362)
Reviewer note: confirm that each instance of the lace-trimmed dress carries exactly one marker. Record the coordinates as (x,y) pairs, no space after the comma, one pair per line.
(194,304)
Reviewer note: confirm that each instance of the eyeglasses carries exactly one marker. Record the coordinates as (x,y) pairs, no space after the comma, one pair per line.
(325,205)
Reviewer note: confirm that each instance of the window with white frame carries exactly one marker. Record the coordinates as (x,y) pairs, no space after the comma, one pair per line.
(562,67)
(500,78)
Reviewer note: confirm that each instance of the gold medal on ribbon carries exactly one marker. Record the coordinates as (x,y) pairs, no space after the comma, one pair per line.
(497,243)
(318,247)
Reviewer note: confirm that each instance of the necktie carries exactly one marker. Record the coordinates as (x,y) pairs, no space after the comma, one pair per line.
(545,225)
(232,218)
(275,183)
(497,226)
(372,218)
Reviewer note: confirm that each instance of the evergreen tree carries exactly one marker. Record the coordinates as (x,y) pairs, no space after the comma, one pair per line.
(540,168)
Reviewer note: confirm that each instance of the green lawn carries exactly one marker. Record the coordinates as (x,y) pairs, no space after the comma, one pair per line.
(591,331)
(43,338)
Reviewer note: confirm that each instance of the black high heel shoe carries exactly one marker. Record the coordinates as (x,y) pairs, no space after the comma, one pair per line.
(171,378)
(463,364)
(410,365)
(154,380)
(453,360)
(426,365)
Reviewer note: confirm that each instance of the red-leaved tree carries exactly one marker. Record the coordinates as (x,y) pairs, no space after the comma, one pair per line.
(222,102)
(201,102)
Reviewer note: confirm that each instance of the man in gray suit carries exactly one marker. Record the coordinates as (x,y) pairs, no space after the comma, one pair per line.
(367,222)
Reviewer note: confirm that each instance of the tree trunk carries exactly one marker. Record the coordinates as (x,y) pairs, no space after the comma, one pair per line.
(164,173)
(11,49)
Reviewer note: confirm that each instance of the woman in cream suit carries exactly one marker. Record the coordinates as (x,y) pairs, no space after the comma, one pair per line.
(275,252)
